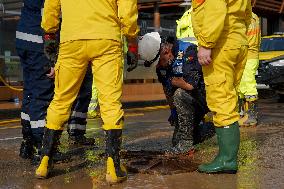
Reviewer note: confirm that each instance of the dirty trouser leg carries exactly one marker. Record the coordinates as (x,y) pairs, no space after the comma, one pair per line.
(184,104)
(107,72)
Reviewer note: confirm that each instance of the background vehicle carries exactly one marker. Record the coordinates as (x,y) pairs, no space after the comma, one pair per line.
(271,67)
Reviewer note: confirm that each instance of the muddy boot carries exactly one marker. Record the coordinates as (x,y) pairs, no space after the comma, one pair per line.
(182,140)
(250,117)
(81,140)
(226,160)
(183,147)
(115,172)
(48,147)
(57,155)
(37,145)
(26,149)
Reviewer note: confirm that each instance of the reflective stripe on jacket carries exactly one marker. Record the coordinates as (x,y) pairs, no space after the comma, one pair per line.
(254,37)
(184,28)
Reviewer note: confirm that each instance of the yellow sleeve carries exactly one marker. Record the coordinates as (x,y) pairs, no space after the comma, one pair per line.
(50,18)
(128,15)
(248,13)
(213,22)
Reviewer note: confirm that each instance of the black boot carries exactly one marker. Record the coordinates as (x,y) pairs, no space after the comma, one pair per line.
(37,144)
(77,137)
(115,171)
(49,143)
(81,140)
(26,149)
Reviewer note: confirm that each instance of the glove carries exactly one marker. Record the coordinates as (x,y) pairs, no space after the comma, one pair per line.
(51,48)
(132,56)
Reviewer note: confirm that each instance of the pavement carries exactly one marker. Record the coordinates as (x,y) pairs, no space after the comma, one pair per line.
(261,156)
(10,110)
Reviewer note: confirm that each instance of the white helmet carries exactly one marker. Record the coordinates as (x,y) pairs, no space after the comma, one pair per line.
(149,48)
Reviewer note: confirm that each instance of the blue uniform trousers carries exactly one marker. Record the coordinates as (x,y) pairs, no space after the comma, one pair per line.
(37,94)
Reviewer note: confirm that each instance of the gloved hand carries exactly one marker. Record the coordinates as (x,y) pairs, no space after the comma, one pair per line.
(51,48)
(132,56)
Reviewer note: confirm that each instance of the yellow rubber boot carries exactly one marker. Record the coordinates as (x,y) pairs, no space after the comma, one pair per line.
(49,145)
(42,170)
(114,175)
(115,172)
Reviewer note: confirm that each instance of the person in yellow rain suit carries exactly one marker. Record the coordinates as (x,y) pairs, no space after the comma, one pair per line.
(91,32)
(93,109)
(184,28)
(247,90)
(220,28)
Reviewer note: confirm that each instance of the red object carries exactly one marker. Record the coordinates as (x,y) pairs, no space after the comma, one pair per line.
(133,48)
(49,36)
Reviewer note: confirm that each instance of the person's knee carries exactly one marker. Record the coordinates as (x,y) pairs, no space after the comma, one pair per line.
(178,95)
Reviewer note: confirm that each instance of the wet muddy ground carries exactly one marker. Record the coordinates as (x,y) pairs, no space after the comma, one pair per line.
(261,157)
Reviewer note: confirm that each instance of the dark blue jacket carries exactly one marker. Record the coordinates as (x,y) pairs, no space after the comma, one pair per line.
(29,33)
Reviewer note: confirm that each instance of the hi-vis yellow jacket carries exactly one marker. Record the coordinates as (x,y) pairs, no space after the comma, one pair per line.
(100,19)
(254,37)
(221,23)
(184,28)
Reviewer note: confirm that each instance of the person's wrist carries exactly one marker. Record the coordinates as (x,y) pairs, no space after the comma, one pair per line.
(49,36)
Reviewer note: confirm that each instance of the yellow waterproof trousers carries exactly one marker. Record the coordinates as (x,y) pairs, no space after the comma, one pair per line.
(248,82)
(222,78)
(70,69)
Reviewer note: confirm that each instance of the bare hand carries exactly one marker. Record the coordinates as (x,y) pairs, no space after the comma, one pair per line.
(51,73)
(204,56)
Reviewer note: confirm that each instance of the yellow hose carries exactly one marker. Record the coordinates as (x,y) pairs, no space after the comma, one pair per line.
(9,86)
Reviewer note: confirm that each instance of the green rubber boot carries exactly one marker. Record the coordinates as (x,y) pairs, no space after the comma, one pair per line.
(226,160)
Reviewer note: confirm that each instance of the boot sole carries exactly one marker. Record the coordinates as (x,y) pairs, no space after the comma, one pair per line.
(110,181)
(220,172)
(40,177)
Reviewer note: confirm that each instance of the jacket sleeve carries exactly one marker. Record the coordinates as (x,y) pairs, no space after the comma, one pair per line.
(50,18)
(128,15)
(248,16)
(213,22)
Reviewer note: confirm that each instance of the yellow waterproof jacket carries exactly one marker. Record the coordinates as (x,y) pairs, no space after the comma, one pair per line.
(221,23)
(254,37)
(101,19)
(184,28)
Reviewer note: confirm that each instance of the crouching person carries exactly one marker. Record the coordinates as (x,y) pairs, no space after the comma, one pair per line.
(179,58)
